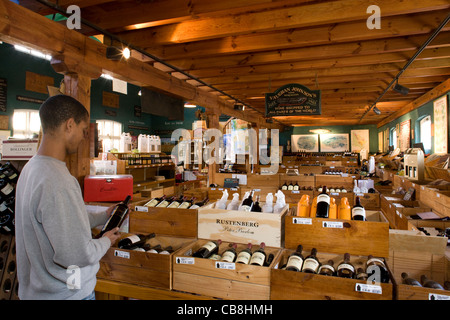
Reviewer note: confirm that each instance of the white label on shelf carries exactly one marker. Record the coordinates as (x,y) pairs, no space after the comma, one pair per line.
(344,175)
(332,224)
(141,208)
(296,220)
(369,288)
(122,254)
(225,265)
(334,193)
(438,195)
(360,194)
(257,190)
(434,296)
(295,191)
(213,189)
(185,260)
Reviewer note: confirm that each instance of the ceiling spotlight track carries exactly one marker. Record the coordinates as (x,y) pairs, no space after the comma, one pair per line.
(419,51)
(130,46)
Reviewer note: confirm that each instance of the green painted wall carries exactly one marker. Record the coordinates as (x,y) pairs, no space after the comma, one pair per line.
(415,116)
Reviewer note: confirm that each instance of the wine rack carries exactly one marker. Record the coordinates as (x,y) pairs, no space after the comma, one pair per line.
(8,268)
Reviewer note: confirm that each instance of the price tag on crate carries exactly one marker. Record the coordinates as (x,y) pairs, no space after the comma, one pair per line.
(225,265)
(296,220)
(185,260)
(369,288)
(434,296)
(141,208)
(122,254)
(333,224)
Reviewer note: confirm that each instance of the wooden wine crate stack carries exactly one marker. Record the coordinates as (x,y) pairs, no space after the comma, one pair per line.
(332,238)
(173,227)
(416,254)
(221,280)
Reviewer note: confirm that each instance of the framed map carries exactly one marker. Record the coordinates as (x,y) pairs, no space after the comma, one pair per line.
(305,142)
(334,142)
(440,125)
(360,140)
(405,135)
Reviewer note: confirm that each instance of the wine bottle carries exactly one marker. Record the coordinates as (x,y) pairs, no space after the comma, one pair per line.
(376,262)
(303,206)
(187,203)
(11,173)
(6,189)
(311,263)
(7,225)
(134,241)
(332,213)
(154,201)
(269,260)
(230,254)
(327,269)
(164,203)
(290,186)
(344,211)
(428,283)
(410,281)
(296,186)
(117,217)
(358,211)
(284,186)
(256,207)
(176,202)
(247,204)
(295,261)
(361,274)
(199,204)
(167,250)
(245,255)
(323,204)
(346,269)
(312,211)
(207,249)
(259,256)
(155,249)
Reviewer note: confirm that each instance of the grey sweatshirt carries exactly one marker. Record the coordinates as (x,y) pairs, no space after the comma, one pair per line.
(56,255)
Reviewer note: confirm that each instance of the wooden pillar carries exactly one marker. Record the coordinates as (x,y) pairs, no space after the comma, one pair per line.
(213,123)
(77,81)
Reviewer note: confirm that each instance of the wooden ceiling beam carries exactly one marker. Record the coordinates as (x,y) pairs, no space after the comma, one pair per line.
(413,26)
(308,15)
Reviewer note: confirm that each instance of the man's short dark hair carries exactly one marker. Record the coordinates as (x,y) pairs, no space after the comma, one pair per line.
(60,108)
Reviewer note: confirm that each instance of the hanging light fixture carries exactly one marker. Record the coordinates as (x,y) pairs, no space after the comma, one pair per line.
(401,89)
(115,54)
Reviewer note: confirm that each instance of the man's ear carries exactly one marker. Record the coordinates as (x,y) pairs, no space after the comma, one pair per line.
(69,125)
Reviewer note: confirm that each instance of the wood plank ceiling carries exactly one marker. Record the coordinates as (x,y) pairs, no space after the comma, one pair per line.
(247,48)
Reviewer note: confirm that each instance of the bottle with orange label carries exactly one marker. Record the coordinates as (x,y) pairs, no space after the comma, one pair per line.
(344,210)
(333,209)
(312,212)
(303,207)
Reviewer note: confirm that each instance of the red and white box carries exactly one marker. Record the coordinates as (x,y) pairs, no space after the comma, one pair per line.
(108,188)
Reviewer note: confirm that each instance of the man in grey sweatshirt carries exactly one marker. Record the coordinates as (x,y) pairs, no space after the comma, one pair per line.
(57,258)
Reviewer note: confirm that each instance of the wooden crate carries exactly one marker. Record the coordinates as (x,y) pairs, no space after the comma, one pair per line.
(388,209)
(291,285)
(339,236)
(301,180)
(398,210)
(142,268)
(436,197)
(369,201)
(417,254)
(198,193)
(167,221)
(230,281)
(334,181)
(241,226)
(262,180)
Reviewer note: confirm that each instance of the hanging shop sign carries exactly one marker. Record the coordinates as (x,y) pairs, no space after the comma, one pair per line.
(293,100)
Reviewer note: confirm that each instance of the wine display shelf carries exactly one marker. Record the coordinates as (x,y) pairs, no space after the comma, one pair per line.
(142,268)
(292,285)
(226,281)
(8,269)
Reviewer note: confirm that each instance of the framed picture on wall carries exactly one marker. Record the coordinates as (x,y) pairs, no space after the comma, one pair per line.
(360,140)
(334,142)
(405,134)
(305,142)
(440,125)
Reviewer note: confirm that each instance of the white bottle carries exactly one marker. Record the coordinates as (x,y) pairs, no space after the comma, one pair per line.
(222,203)
(280,204)
(234,204)
(268,206)
(125,142)
(151,144)
(355,188)
(157,144)
(142,143)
